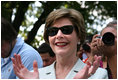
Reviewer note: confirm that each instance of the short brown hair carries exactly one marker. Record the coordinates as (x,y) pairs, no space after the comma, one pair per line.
(73,15)
(8,33)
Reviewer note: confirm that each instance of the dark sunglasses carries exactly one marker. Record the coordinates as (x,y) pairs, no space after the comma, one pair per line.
(67,29)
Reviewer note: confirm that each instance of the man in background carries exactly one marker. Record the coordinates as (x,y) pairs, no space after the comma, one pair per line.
(48,56)
(12,45)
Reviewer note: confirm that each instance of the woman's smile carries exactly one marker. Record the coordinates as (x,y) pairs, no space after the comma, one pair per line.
(61,44)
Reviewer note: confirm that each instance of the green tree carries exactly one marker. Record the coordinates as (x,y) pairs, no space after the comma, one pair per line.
(21,10)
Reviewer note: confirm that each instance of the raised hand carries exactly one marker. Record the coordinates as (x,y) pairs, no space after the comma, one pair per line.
(94,45)
(99,48)
(88,70)
(21,71)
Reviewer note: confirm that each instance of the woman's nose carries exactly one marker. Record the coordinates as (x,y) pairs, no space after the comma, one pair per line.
(59,34)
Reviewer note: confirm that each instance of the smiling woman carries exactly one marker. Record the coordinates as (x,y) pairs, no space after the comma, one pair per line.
(64,28)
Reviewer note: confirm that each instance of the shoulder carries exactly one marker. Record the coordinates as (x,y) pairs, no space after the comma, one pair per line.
(28,55)
(25,48)
(100,74)
(101,70)
(47,72)
(27,51)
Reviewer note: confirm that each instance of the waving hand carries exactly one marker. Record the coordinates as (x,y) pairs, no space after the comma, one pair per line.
(21,71)
(88,70)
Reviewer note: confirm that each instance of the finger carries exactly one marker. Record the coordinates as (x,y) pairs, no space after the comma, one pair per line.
(94,40)
(97,58)
(35,66)
(86,71)
(14,64)
(89,72)
(16,70)
(100,45)
(20,62)
(17,58)
(94,37)
(13,60)
(83,73)
(87,66)
(100,42)
(95,64)
(94,44)
(92,69)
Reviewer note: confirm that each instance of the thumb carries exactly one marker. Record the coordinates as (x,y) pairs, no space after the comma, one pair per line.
(35,66)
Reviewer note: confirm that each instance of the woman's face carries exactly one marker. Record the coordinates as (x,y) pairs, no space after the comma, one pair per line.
(63,44)
(114,47)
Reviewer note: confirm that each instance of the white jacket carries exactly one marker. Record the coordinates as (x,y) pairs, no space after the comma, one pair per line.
(49,72)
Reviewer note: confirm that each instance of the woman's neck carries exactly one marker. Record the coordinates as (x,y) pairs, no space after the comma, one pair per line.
(64,65)
(112,61)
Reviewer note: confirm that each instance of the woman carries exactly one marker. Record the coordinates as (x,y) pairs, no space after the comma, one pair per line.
(63,30)
(98,47)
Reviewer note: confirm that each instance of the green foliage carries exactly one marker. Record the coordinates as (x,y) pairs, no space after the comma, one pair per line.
(36,42)
(94,13)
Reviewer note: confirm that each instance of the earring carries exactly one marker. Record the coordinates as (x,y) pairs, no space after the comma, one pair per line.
(78,43)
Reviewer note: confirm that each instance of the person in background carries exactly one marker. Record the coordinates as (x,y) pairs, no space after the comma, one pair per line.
(103,62)
(64,28)
(110,51)
(11,45)
(80,51)
(48,56)
(87,51)
(84,49)
(90,56)
(83,52)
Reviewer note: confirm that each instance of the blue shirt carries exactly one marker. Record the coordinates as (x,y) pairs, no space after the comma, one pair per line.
(28,55)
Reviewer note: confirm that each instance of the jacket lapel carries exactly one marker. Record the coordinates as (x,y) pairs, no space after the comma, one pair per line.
(77,67)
